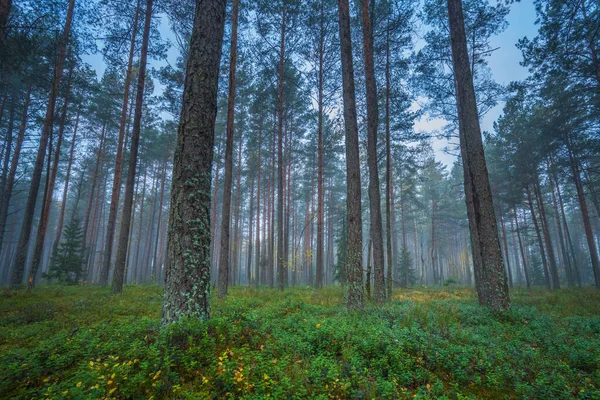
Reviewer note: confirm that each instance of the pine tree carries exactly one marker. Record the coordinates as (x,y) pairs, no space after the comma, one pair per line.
(66,264)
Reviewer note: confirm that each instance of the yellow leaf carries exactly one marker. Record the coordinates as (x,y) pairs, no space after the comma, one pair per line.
(78,384)
(111,391)
(266,377)
(318,325)
(113,376)
(91,363)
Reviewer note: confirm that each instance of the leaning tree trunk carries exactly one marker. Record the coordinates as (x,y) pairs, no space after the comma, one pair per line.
(36,177)
(372,122)
(116,186)
(223,280)
(119,273)
(355,299)
(490,276)
(187,280)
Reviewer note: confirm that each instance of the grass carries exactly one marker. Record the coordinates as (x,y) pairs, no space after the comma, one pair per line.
(83,343)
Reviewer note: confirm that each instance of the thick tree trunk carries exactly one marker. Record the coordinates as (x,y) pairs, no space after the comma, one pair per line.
(372,123)
(490,276)
(187,280)
(116,185)
(22,246)
(355,296)
(123,241)
(223,268)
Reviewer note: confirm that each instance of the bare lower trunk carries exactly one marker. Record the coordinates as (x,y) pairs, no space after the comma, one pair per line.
(523,257)
(539,237)
(187,280)
(355,296)
(490,276)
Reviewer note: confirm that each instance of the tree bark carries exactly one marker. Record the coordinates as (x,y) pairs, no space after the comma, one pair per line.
(257,280)
(388,167)
(372,123)
(22,246)
(187,280)
(155,264)
(223,279)
(116,185)
(576,272)
(250,233)
(490,276)
(355,295)
(539,237)
(5,6)
(506,253)
(121,260)
(320,193)
(547,239)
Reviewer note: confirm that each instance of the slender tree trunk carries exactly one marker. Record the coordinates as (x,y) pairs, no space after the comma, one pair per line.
(258,189)
(539,237)
(119,273)
(63,204)
(234,265)
(587,226)
(355,295)
(563,248)
(22,246)
(5,6)
(250,233)
(5,190)
(187,280)
(281,268)
(436,277)
(576,272)
(136,260)
(320,193)
(388,166)
(547,239)
(490,275)
(224,267)
(506,253)
(372,123)
(213,212)
(14,163)
(40,236)
(523,256)
(155,265)
(116,185)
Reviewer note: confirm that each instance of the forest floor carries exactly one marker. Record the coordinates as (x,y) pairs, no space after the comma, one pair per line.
(82,342)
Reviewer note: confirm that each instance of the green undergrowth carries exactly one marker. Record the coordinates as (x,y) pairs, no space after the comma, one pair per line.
(83,343)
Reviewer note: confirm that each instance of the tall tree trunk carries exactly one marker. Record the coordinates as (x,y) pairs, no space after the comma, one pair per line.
(490,276)
(40,236)
(372,123)
(224,278)
(234,265)
(576,272)
(63,204)
(119,272)
(563,248)
(539,237)
(187,280)
(5,190)
(22,246)
(257,280)
(116,185)
(320,193)
(155,264)
(14,163)
(506,253)
(355,296)
(547,239)
(587,226)
(388,165)
(250,233)
(281,268)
